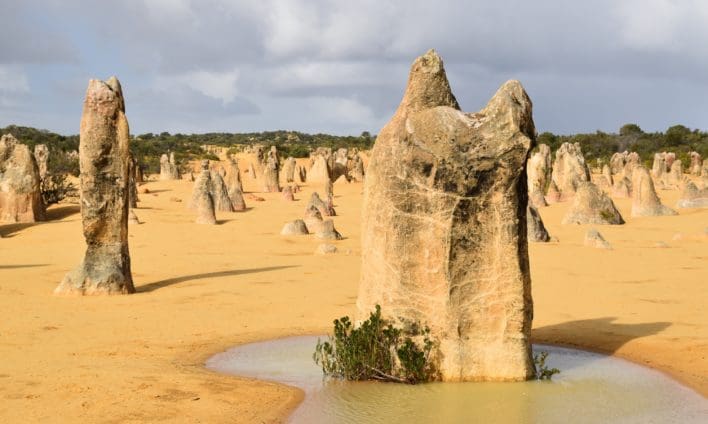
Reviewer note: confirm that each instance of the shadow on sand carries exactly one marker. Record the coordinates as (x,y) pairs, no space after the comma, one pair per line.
(15,266)
(176,280)
(52,215)
(602,333)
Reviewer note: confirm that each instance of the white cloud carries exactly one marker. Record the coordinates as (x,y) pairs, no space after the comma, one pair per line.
(217,85)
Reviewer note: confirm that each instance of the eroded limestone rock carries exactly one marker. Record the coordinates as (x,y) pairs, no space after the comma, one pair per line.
(536,231)
(104,162)
(168,167)
(645,202)
(593,238)
(444,225)
(569,169)
(592,206)
(294,228)
(20,183)
(538,170)
(692,196)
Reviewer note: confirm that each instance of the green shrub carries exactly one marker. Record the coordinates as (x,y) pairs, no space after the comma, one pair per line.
(377,350)
(542,371)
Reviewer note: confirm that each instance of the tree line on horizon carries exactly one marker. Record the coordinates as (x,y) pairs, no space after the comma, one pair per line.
(148,147)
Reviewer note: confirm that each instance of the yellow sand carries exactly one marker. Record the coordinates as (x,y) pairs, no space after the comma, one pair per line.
(202,289)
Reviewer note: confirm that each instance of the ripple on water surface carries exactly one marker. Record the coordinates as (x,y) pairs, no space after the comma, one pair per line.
(591,388)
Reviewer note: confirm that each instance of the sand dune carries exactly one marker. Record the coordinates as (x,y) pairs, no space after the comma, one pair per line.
(204,288)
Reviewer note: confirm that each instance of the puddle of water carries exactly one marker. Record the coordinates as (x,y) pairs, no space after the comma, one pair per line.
(591,388)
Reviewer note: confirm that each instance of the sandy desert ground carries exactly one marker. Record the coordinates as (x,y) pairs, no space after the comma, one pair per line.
(202,289)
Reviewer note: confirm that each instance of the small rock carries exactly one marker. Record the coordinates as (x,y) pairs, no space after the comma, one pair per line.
(294,228)
(593,238)
(327,231)
(326,249)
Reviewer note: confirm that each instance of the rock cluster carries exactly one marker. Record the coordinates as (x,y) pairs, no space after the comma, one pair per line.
(692,196)
(443,232)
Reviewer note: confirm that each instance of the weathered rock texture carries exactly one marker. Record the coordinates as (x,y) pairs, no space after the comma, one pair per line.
(325,208)
(593,238)
(104,163)
(622,187)
(569,169)
(696,164)
(287,194)
(234,185)
(20,183)
(294,228)
(271,174)
(326,249)
(319,171)
(168,167)
(658,167)
(645,202)
(592,206)
(202,199)
(289,169)
(675,176)
(444,225)
(692,196)
(326,231)
(536,231)
(41,155)
(219,192)
(357,169)
(538,170)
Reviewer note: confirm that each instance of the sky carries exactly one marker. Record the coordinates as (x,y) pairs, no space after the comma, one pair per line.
(340,67)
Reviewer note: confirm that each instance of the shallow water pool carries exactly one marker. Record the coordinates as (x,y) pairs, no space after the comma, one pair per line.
(591,388)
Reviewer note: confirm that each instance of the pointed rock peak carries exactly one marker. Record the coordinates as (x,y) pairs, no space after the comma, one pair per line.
(428,86)
(511,102)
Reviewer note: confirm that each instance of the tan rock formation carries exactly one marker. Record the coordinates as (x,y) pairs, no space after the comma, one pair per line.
(357,171)
(538,171)
(443,233)
(592,206)
(168,167)
(607,174)
(692,196)
(617,162)
(289,169)
(132,217)
(675,176)
(104,162)
(302,174)
(622,187)
(202,199)
(294,228)
(325,208)
(569,169)
(287,194)
(325,249)
(20,183)
(219,192)
(696,164)
(669,157)
(326,231)
(271,174)
(593,238)
(319,172)
(553,195)
(41,155)
(535,230)
(313,219)
(645,202)
(658,168)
